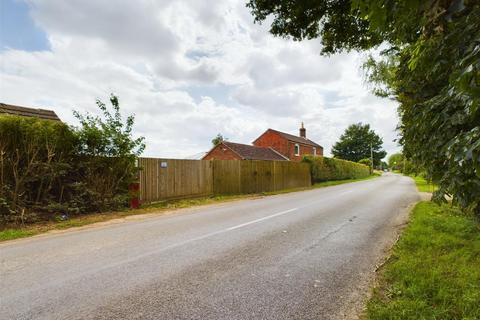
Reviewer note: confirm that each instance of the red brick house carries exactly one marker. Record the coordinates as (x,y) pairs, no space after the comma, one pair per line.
(290,146)
(237,151)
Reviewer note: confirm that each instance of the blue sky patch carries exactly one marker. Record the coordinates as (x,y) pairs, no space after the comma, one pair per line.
(17,29)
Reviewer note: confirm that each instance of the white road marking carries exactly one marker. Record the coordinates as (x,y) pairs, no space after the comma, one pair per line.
(208,235)
(153,252)
(261,219)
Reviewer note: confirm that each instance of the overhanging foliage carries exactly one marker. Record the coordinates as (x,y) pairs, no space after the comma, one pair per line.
(431,66)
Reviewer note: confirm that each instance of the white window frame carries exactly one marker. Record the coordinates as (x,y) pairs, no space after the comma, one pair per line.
(314,151)
(296,149)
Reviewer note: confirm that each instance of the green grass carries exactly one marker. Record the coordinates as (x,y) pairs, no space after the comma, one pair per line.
(156,208)
(424,185)
(337,182)
(10,234)
(434,271)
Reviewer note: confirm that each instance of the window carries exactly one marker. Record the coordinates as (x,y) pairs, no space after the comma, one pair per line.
(297,149)
(314,151)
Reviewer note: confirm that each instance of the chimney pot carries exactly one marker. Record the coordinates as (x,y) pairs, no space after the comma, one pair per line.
(303,132)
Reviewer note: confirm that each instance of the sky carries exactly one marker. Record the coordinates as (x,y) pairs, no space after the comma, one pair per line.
(186,69)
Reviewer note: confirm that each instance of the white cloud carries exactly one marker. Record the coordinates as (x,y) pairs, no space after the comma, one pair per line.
(158,55)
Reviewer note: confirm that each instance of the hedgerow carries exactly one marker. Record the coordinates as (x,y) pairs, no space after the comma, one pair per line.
(49,169)
(323,169)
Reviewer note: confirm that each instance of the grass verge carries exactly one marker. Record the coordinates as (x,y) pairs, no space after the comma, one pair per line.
(424,185)
(158,207)
(434,271)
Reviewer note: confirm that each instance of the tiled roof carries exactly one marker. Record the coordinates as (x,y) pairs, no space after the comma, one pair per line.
(297,139)
(248,152)
(28,112)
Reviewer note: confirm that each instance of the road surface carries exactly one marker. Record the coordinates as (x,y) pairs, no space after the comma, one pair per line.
(303,255)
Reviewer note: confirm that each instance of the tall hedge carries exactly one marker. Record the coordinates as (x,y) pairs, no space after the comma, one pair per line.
(49,169)
(324,169)
(36,166)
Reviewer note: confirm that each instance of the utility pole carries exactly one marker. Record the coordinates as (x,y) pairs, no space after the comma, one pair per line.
(371,158)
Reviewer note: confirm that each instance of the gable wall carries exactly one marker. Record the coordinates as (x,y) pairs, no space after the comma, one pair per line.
(284,146)
(273,140)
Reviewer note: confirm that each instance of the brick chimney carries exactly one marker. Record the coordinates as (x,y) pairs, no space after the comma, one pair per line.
(303,132)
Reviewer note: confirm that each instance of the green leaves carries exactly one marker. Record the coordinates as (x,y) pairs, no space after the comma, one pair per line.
(325,169)
(356,142)
(431,67)
(49,168)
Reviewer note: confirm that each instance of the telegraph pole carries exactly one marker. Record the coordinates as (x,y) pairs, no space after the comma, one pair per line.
(371,158)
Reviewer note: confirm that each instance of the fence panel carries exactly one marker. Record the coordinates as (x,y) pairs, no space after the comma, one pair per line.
(255,176)
(162,179)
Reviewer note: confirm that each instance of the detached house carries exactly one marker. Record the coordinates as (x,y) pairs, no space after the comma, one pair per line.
(271,145)
(290,146)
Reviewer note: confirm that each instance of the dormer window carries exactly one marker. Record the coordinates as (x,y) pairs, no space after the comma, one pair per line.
(297,149)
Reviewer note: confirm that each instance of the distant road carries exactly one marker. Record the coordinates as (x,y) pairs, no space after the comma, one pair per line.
(303,255)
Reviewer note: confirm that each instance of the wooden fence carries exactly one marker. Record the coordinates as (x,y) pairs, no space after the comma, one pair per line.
(162,179)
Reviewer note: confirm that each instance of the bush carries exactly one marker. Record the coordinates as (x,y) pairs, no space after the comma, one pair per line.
(324,169)
(366,162)
(108,154)
(36,159)
(48,168)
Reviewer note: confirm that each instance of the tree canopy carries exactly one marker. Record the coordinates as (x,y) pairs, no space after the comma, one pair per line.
(395,161)
(218,139)
(355,142)
(429,63)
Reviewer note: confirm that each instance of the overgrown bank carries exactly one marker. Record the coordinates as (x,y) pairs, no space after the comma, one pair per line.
(433,272)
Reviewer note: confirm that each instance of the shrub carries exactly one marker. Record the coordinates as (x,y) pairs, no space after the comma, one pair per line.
(36,159)
(108,153)
(323,169)
(366,162)
(48,168)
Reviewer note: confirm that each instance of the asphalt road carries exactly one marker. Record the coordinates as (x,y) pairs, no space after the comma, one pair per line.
(304,255)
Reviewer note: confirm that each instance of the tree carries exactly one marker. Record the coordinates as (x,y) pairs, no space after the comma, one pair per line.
(430,64)
(108,151)
(395,161)
(218,139)
(384,165)
(354,144)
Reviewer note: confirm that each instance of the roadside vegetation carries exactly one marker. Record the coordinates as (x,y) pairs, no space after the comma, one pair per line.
(433,272)
(331,169)
(423,54)
(15,232)
(358,143)
(424,185)
(49,168)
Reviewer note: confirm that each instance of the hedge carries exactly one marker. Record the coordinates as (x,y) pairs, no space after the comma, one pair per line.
(47,170)
(324,169)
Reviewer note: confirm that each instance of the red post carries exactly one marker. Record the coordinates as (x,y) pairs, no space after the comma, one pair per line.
(134,189)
